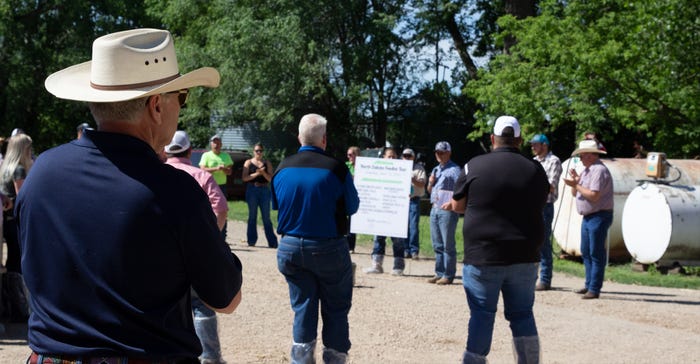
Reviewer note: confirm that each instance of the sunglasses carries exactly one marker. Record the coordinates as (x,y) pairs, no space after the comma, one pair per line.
(258,150)
(407,155)
(181,96)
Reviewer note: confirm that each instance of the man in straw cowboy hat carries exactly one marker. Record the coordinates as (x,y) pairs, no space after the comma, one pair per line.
(112,250)
(593,190)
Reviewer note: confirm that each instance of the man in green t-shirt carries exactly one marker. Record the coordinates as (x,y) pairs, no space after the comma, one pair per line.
(216,162)
(220,165)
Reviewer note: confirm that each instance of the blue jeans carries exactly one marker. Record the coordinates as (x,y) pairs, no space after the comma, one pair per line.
(546,251)
(397,245)
(443,224)
(318,271)
(413,242)
(259,197)
(483,284)
(205,325)
(223,231)
(594,232)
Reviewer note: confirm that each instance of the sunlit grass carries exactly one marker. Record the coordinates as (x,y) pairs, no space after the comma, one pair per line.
(621,273)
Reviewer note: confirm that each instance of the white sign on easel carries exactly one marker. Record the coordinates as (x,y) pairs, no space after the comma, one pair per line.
(384,186)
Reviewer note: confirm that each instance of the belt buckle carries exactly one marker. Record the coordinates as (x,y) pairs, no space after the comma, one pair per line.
(107,360)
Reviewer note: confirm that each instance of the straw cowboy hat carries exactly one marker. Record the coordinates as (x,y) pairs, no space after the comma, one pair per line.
(128,65)
(587,146)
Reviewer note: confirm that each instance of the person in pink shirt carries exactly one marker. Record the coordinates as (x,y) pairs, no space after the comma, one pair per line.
(178,154)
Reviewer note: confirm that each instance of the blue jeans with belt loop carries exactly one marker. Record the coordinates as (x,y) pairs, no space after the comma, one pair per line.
(483,285)
(443,225)
(546,260)
(594,233)
(413,241)
(318,271)
(259,196)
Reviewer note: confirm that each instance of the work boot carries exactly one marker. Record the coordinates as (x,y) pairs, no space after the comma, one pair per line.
(376,268)
(332,356)
(526,349)
(543,287)
(471,358)
(208,333)
(303,353)
(444,281)
(399,263)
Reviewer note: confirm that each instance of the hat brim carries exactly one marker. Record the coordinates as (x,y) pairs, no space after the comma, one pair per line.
(73,83)
(587,150)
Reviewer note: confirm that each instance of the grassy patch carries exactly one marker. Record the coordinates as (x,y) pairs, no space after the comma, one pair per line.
(621,273)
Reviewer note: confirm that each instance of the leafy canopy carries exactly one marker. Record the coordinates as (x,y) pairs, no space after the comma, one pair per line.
(614,65)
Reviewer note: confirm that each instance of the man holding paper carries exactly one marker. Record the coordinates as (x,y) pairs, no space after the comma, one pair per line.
(397,244)
(443,223)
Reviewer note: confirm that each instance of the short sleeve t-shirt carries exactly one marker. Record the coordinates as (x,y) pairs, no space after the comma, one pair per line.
(211,160)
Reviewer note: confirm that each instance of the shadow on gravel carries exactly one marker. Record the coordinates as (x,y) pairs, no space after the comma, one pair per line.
(15,334)
(645,297)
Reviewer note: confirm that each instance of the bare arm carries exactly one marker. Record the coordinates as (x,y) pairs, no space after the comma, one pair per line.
(221,219)
(231,306)
(247,177)
(458,206)
(590,195)
(418,182)
(431,183)
(18,184)
(267,171)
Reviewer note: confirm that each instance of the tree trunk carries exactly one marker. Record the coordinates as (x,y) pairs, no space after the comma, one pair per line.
(460,45)
(520,9)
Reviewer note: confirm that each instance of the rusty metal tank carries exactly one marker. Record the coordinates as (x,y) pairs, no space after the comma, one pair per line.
(661,223)
(627,174)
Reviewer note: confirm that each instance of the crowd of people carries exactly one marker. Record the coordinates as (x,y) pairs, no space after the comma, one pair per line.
(146,286)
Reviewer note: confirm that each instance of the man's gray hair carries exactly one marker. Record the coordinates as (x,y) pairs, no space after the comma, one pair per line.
(312,128)
(117,111)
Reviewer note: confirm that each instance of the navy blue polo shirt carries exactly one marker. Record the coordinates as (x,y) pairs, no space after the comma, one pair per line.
(314,194)
(503,220)
(112,240)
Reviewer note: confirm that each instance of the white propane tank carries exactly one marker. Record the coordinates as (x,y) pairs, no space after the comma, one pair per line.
(661,223)
(626,174)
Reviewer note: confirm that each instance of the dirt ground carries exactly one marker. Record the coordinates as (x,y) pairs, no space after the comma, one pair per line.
(406,320)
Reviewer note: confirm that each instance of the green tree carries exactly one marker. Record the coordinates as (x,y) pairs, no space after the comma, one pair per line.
(629,69)
(38,38)
(281,59)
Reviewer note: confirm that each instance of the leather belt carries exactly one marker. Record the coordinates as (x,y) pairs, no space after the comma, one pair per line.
(68,359)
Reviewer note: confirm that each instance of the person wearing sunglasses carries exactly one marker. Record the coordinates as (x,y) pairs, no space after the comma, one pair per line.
(257,173)
(113,250)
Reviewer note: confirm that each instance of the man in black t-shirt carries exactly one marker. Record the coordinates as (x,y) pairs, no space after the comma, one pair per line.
(503,193)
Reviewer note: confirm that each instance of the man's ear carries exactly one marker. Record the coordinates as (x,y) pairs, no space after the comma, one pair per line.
(154,106)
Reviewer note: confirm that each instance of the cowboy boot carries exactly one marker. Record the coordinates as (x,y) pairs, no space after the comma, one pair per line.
(303,353)
(526,349)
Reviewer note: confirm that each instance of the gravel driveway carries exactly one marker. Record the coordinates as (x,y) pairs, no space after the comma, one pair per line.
(406,320)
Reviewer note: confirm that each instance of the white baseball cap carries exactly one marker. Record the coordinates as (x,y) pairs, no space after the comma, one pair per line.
(179,144)
(506,121)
